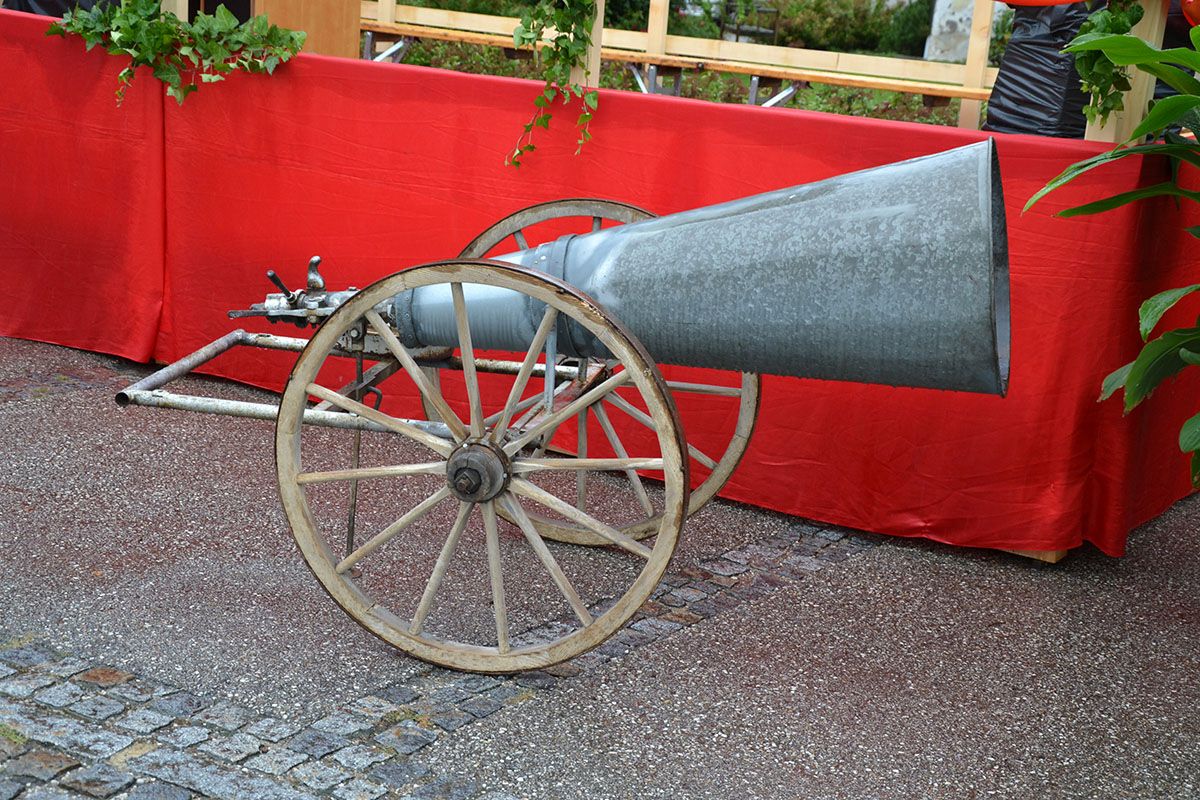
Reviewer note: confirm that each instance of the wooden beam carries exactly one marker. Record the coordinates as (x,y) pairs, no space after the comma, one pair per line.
(332,28)
(1048,556)
(975,72)
(1121,124)
(656,30)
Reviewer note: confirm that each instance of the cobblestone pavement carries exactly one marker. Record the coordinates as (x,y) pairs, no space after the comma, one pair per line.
(70,728)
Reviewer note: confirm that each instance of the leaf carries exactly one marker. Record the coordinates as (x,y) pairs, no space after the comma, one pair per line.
(1113,381)
(1166,112)
(1186,152)
(1124,198)
(1190,356)
(1126,49)
(1153,309)
(1174,77)
(1158,361)
(1189,435)
(591,99)
(1196,465)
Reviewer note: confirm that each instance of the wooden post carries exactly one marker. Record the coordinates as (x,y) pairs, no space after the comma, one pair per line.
(977,61)
(177,7)
(387,11)
(332,28)
(592,61)
(1121,124)
(656,31)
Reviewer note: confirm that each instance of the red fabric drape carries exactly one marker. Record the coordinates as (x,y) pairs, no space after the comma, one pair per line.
(377,167)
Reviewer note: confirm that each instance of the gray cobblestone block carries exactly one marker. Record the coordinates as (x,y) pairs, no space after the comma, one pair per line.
(24,685)
(452,719)
(445,788)
(685,594)
(655,627)
(10,789)
(399,773)
(272,729)
(371,707)
(724,567)
(184,736)
(343,723)
(59,695)
(226,716)
(406,738)
(217,781)
(98,707)
(153,790)
(498,796)
(703,609)
(398,694)
(480,706)
(504,692)
(42,765)
(99,780)
(536,680)
(50,793)
(318,775)
(179,704)
(672,600)
(317,744)
(449,695)
(5,671)
(66,667)
(277,761)
(143,720)
(807,563)
(232,748)
(358,757)
(140,690)
(81,740)
(11,748)
(359,789)
(25,656)
(478,683)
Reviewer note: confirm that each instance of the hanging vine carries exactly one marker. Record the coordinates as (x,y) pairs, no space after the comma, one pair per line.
(1103,80)
(560,32)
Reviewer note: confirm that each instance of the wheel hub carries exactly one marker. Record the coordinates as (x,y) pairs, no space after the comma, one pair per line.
(477,471)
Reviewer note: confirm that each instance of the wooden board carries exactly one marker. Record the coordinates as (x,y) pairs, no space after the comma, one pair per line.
(332,27)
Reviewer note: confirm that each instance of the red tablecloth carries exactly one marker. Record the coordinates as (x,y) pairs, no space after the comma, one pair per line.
(107,213)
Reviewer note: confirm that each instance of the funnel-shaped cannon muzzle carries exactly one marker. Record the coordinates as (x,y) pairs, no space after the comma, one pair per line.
(895,275)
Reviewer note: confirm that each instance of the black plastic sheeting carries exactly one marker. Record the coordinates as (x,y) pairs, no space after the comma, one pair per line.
(1037,90)
(51,8)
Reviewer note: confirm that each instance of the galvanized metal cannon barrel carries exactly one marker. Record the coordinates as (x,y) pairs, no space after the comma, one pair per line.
(565,428)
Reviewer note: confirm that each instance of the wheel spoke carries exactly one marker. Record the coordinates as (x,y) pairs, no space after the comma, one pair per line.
(510,405)
(581,451)
(427,389)
(644,418)
(519,238)
(521,406)
(596,223)
(396,471)
(372,377)
(385,536)
(526,465)
(439,568)
(497,575)
(552,421)
(542,497)
(619,448)
(705,388)
(439,446)
(468,359)
(513,506)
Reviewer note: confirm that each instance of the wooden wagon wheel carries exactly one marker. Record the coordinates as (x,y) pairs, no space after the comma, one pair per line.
(462,473)
(594,213)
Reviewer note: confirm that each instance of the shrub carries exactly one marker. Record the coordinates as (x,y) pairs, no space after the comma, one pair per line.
(840,25)
(909,29)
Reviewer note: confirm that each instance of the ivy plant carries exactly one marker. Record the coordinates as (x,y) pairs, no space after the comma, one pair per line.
(569,25)
(1104,80)
(1161,133)
(181,54)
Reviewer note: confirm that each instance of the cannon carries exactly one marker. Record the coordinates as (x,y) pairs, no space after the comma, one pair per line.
(501,431)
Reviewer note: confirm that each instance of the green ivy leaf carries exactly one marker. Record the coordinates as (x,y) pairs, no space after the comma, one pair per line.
(1153,309)
(1189,435)
(1159,360)
(1113,381)
(591,99)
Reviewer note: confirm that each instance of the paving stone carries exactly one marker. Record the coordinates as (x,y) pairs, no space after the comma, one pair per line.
(59,695)
(406,738)
(449,695)
(223,715)
(358,757)
(672,600)
(213,780)
(179,704)
(399,773)
(79,739)
(397,693)
(370,707)
(25,656)
(104,676)
(12,747)
(232,748)
(22,686)
(479,683)
(686,594)
(140,690)
(10,789)
(359,789)
(807,563)
(143,720)
(277,761)
(318,775)
(343,723)
(154,790)
(445,788)
(317,744)
(66,667)
(41,765)
(5,671)
(99,780)
(683,617)
(272,729)
(567,669)
(50,793)
(452,719)
(480,706)
(505,692)
(98,707)
(536,680)
(499,796)
(185,736)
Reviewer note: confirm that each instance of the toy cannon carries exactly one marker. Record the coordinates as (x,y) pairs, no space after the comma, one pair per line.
(541,406)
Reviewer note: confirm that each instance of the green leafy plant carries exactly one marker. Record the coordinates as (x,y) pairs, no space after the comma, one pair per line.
(182,55)
(1174,350)
(569,23)
(1103,78)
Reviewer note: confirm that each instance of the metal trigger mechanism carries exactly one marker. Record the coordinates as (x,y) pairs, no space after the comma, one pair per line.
(302,307)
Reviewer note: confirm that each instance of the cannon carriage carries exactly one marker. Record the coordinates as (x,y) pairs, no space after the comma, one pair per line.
(532,506)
